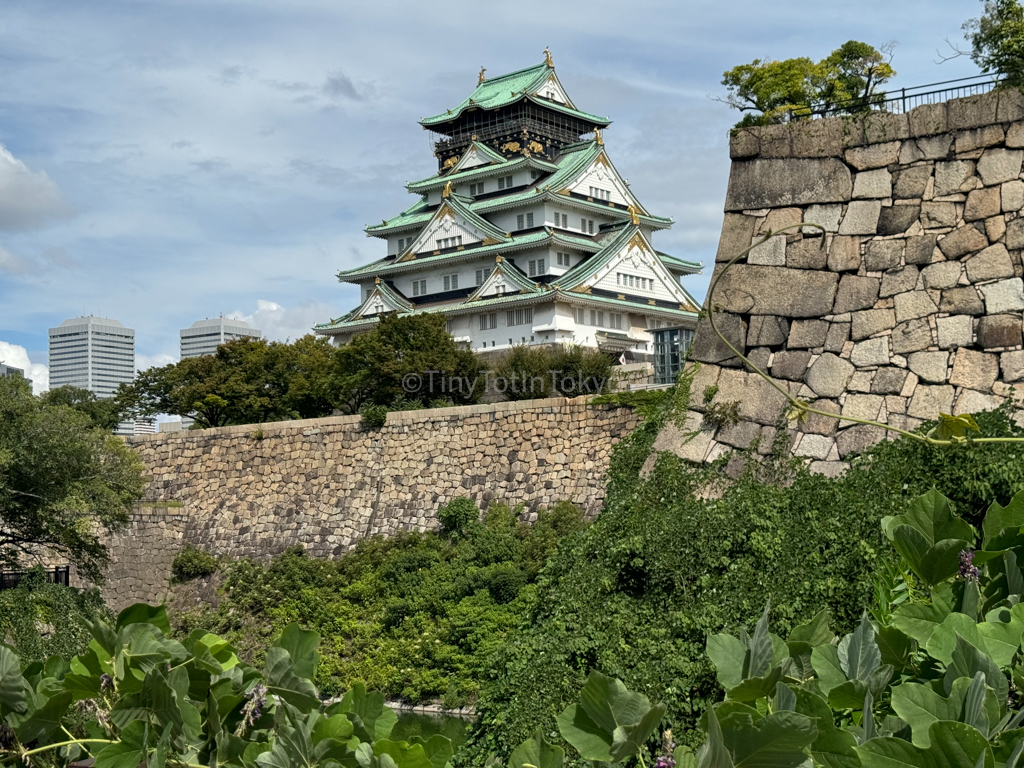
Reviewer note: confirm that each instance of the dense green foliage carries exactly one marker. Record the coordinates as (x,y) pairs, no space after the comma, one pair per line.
(405,358)
(936,682)
(60,478)
(39,619)
(415,616)
(997,40)
(679,555)
(527,373)
(105,413)
(845,81)
(193,563)
(247,381)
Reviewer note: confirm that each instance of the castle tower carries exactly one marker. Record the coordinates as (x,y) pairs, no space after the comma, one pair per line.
(527,234)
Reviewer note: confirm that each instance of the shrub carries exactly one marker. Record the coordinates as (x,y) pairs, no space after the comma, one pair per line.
(568,370)
(193,563)
(375,416)
(457,515)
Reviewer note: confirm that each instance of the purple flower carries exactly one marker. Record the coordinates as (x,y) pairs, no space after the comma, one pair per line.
(968,570)
(668,746)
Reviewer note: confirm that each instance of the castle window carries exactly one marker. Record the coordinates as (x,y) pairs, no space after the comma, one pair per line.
(476,189)
(451,282)
(562,259)
(536,267)
(419,287)
(401,244)
(615,321)
(520,219)
(489,322)
(579,315)
(482,275)
(449,242)
(505,182)
(535,174)
(596,317)
(634,281)
(587,226)
(529,220)
(521,316)
(600,194)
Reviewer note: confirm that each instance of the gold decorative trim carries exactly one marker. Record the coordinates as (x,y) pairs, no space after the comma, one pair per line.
(547,58)
(536,146)
(510,146)
(621,297)
(450,162)
(634,216)
(490,241)
(481,77)
(447,192)
(598,137)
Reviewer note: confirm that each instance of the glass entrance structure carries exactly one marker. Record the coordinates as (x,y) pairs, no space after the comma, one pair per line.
(670,348)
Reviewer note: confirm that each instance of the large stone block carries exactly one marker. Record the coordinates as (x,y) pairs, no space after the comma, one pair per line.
(814,446)
(837,335)
(870,322)
(928,119)
(1015,135)
(931,367)
(920,249)
(935,147)
(944,274)
(826,216)
(737,231)
(1015,234)
(884,127)
(912,182)
(861,407)
(1003,296)
(1012,365)
(999,165)
(972,401)
(844,254)
(899,280)
(974,370)
(929,401)
(772,252)
(855,293)
(829,375)
(911,336)
(955,331)
(817,138)
(872,352)
(873,155)
(982,203)
(888,381)
(806,254)
(757,290)
(767,331)
(880,255)
(961,301)
(951,175)
(990,264)
(790,364)
(938,215)
(858,439)
(776,183)
(897,219)
(962,241)
(822,425)
(872,184)
(999,331)
(806,334)
(758,400)
(1011,196)
(913,304)
(744,143)
(861,218)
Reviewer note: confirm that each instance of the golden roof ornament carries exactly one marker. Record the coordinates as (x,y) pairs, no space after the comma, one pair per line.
(598,137)
(634,215)
(447,191)
(498,259)
(376,281)
(547,57)
(481,77)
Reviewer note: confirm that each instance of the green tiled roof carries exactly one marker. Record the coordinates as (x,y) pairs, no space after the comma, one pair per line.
(507,89)
(508,164)
(682,265)
(419,212)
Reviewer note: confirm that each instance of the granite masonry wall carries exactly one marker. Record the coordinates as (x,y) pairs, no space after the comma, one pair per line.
(910,307)
(326,483)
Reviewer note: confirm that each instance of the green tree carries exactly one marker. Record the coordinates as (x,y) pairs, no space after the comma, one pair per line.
(62,480)
(247,381)
(997,40)
(569,370)
(846,81)
(105,413)
(405,358)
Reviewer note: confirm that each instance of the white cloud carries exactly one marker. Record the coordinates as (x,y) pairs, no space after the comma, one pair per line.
(278,323)
(142,362)
(11,263)
(28,199)
(17,357)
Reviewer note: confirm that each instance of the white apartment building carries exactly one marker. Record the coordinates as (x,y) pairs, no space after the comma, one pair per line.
(204,336)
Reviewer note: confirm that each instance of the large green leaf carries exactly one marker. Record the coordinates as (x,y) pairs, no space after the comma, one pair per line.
(815,632)
(832,747)
(129,752)
(889,752)
(713,753)
(1003,638)
(535,752)
(999,519)
(777,740)
(932,562)
(439,751)
(12,683)
(140,613)
(920,706)
(761,650)
(919,620)
(942,643)
(609,721)
(40,722)
(372,719)
(895,646)
(956,745)
(967,661)
(858,652)
(282,681)
(404,754)
(825,660)
(931,514)
(729,656)
(302,645)
(754,688)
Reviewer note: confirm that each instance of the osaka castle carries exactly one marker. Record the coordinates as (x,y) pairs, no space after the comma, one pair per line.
(526,234)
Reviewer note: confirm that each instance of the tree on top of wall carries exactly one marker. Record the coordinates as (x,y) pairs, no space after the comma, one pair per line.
(997,40)
(846,81)
(62,481)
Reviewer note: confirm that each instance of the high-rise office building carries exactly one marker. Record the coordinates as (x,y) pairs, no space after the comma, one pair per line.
(93,353)
(204,336)
(145,425)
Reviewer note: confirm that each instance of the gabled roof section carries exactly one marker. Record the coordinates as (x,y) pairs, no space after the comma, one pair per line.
(530,83)
(478,154)
(680,266)
(629,252)
(506,278)
(601,174)
(383,298)
(454,219)
(415,215)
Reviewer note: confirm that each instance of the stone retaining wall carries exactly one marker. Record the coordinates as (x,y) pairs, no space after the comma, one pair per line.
(910,307)
(327,483)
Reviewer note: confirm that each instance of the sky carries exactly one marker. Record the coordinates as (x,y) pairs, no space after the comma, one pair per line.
(163,162)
